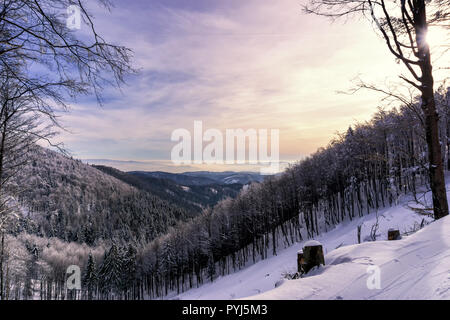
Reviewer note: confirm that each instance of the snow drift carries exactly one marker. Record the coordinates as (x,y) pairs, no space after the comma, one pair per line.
(416,267)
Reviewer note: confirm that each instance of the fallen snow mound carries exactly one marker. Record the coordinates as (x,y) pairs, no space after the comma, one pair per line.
(416,267)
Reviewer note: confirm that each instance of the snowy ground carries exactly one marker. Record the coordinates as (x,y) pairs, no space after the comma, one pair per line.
(416,267)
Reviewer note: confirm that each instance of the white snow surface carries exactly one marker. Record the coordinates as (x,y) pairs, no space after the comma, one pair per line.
(311,243)
(415,267)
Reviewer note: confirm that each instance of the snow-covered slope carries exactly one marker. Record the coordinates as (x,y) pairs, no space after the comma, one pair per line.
(418,266)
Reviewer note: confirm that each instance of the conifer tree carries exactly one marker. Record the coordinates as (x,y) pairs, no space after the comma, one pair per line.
(129,271)
(90,278)
(110,273)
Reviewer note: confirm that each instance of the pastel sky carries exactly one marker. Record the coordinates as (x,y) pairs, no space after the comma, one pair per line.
(231,64)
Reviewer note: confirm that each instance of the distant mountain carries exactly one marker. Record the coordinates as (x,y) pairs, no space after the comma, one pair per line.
(229,177)
(200,178)
(179,178)
(191,193)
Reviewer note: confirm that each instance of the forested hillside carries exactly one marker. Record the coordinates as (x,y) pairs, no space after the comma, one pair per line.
(64,198)
(362,170)
(69,230)
(199,178)
(187,193)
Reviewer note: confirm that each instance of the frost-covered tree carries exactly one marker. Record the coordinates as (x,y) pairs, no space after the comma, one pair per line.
(404,25)
(34,36)
(129,276)
(110,273)
(365,168)
(90,278)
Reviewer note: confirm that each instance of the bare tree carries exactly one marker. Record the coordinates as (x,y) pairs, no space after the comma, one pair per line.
(43,63)
(24,119)
(34,33)
(374,228)
(403,25)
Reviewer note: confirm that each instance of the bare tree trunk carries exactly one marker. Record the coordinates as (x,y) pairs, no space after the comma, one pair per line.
(2,153)
(436,168)
(1,266)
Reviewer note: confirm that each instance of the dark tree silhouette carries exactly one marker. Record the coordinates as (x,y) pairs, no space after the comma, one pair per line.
(403,25)
(34,32)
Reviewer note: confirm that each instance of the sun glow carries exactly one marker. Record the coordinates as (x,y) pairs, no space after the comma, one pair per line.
(438,37)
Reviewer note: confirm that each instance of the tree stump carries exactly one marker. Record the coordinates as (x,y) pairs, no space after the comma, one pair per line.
(300,262)
(311,256)
(393,234)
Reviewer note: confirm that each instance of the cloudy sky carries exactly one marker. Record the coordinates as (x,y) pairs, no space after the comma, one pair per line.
(231,64)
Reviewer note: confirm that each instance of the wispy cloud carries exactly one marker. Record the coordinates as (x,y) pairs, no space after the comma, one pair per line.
(231,64)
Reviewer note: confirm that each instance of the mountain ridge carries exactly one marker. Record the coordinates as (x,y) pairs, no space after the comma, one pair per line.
(206,177)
